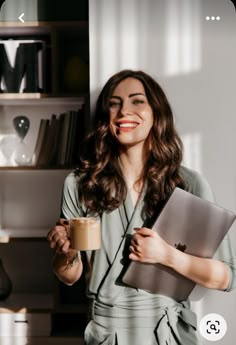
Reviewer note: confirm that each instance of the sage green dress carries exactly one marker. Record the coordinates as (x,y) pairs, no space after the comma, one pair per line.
(128,316)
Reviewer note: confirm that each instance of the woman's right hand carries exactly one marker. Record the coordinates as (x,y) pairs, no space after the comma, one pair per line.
(67,267)
(59,236)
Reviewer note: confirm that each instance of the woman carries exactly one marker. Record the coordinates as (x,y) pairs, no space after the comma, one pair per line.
(131,166)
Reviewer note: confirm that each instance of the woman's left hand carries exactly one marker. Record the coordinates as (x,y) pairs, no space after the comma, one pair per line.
(147,246)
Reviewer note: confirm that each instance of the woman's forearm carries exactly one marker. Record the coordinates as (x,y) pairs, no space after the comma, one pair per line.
(210,273)
(67,267)
(147,246)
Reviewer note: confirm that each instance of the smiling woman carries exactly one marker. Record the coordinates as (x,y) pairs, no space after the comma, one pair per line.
(130,166)
(134,138)
(130,113)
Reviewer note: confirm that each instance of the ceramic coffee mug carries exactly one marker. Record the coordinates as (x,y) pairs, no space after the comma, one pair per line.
(85,233)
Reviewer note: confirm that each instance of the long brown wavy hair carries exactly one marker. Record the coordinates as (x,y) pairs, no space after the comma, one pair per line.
(101,184)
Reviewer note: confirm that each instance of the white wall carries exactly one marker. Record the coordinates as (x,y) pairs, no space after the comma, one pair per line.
(12,9)
(194,61)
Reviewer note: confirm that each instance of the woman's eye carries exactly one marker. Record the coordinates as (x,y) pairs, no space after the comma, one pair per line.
(138,101)
(114,104)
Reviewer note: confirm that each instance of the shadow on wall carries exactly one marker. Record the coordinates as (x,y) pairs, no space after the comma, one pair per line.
(192,151)
(157,37)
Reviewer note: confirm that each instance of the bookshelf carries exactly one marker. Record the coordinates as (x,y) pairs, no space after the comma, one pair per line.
(30,195)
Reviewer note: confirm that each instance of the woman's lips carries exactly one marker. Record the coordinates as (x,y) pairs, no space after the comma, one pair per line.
(127,126)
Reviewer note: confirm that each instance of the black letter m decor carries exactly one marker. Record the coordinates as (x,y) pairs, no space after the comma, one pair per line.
(26,67)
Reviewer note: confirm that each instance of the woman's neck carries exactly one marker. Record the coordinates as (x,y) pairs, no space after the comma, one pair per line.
(131,163)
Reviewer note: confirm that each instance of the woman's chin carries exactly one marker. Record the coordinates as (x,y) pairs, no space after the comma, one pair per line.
(130,143)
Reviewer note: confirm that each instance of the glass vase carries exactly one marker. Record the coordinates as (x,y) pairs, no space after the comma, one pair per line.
(22,154)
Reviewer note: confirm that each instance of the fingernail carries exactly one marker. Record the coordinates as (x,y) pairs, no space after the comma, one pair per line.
(136,228)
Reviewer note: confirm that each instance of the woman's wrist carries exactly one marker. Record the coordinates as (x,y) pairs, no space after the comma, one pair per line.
(68,266)
(66,260)
(172,257)
(73,259)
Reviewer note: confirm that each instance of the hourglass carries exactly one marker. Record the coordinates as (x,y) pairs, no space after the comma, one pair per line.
(22,155)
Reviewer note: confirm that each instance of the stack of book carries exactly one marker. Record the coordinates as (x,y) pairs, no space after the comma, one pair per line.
(59,139)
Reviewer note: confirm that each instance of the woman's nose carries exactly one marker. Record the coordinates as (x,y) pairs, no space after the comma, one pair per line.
(126,108)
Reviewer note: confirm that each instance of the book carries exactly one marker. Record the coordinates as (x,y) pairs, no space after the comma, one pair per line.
(51,143)
(71,137)
(41,156)
(79,135)
(38,150)
(64,119)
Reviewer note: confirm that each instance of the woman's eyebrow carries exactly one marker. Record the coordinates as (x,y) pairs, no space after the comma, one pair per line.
(130,95)
(137,94)
(117,97)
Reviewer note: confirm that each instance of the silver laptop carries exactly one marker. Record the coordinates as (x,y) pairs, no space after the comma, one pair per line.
(192,225)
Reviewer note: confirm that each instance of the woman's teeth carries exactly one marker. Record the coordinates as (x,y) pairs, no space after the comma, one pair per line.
(125,125)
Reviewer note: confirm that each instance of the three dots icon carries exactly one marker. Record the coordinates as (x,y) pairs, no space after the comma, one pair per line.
(212,18)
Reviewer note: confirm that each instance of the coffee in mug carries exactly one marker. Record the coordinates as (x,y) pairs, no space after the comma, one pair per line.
(85,233)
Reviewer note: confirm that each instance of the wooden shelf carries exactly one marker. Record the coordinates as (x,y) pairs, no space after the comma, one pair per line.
(40,24)
(6,96)
(35,168)
(9,235)
(53,340)
(38,28)
(40,99)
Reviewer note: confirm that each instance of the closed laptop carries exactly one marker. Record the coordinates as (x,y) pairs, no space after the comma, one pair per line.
(190,224)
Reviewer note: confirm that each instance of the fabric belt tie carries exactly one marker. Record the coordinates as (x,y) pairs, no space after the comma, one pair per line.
(163,320)
(171,318)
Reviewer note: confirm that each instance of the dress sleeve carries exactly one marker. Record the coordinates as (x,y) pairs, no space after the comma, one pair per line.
(70,205)
(199,186)
(226,254)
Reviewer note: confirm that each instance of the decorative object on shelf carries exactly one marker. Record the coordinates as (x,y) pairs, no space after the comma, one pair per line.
(8,145)
(22,154)
(5,283)
(22,66)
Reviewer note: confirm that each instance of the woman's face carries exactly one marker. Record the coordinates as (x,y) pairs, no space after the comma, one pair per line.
(131,116)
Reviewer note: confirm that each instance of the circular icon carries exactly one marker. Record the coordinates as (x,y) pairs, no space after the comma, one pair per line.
(212,327)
